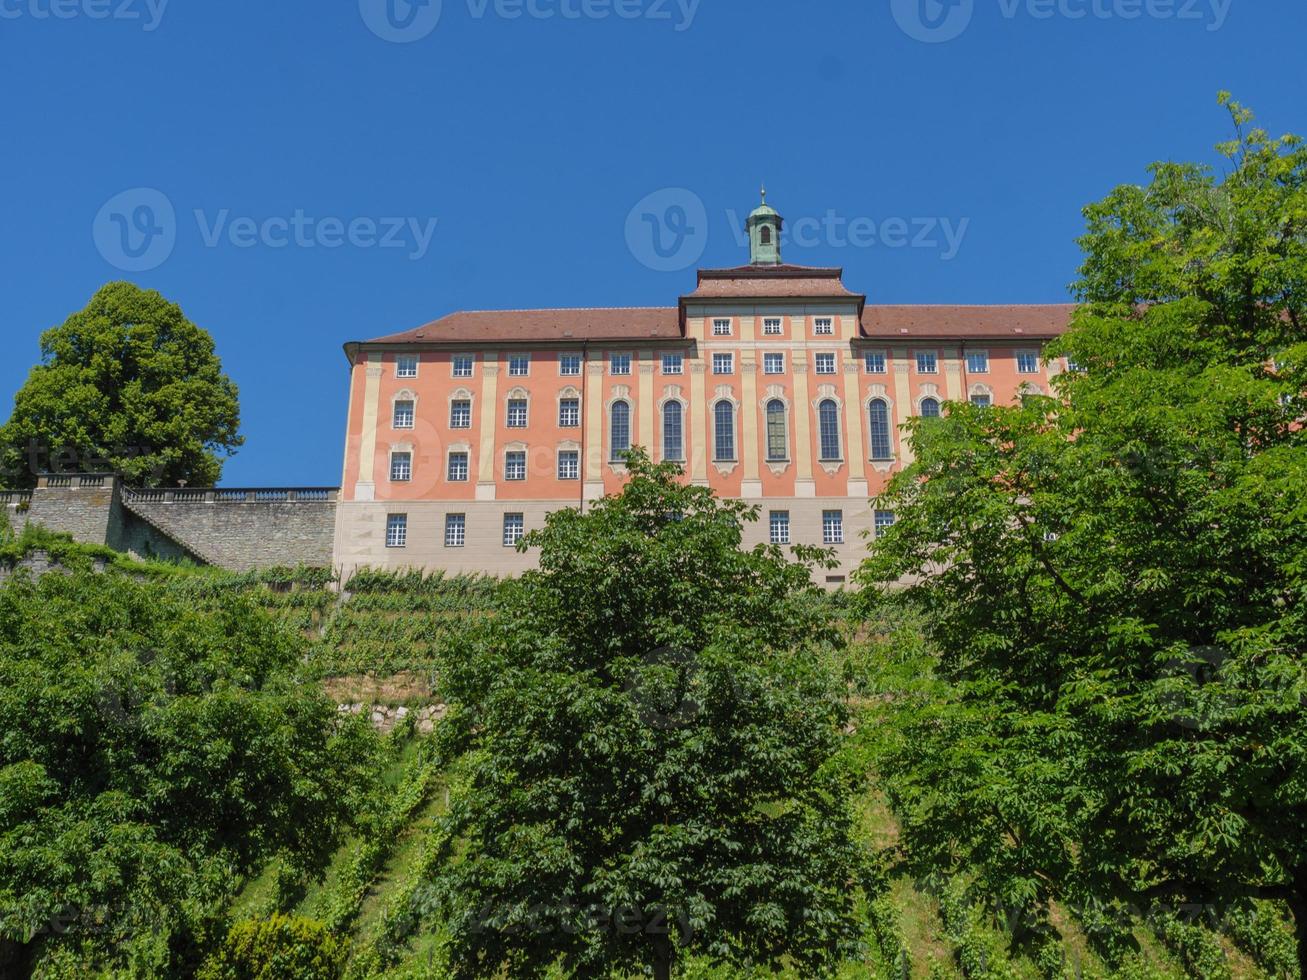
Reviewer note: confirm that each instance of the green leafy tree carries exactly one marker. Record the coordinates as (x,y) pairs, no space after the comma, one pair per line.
(647,753)
(155,746)
(1116,575)
(127,385)
(279,948)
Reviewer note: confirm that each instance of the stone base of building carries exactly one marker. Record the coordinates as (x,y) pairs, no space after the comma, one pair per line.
(361,534)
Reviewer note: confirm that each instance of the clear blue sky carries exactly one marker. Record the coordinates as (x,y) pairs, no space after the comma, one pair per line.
(530,139)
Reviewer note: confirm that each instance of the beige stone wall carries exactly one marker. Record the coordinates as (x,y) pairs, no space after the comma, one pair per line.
(361,526)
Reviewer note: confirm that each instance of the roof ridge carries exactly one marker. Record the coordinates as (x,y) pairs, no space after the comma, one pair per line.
(562,309)
(960,306)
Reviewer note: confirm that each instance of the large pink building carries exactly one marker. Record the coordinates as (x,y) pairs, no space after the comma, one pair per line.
(769,382)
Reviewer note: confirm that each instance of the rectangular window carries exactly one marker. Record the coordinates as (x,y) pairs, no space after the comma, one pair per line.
(884,521)
(874,361)
(825,363)
(773,363)
(519,365)
(569,413)
(406,366)
(396,530)
(463,365)
(569,365)
(927,362)
(823,326)
(673,363)
(402,417)
(514,529)
(723,364)
(569,464)
(455,530)
(721,328)
(458,467)
(832,527)
(460,414)
(780,527)
(515,465)
(619,364)
(517,413)
(771,326)
(401,467)
(978,362)
(1027,362)
(981,401)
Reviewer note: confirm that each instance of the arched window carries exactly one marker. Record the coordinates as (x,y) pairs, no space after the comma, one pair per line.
(673,432)
(930,408)
(777,443)
(620,430)
(724,430)
(828,427)
(765,235)
(878,413)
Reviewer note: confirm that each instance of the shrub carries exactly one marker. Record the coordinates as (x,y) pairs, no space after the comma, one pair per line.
(280,948)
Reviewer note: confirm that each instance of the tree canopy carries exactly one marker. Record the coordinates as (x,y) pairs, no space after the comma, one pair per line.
(153,749)
(1116,574)
(127,385)
(646,752)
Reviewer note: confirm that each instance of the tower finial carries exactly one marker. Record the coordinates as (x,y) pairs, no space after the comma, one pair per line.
(764,192)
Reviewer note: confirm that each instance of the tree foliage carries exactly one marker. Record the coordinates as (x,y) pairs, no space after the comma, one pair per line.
(647,752)
(278,948)
(152,750)
(127,385)
(1117,580)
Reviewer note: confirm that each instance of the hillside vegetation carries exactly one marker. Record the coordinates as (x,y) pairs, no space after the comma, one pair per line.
(370,893)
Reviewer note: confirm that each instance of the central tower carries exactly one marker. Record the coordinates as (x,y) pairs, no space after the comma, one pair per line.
(764,227)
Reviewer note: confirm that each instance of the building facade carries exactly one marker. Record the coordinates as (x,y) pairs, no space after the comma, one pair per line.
(769,382)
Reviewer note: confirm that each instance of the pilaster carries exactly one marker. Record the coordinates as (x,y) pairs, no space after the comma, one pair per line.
(645,408)
(902,404)
(752,485)
(366,489)
(853,419)
(592,460)
(804,485)
(489,412)
(698,447)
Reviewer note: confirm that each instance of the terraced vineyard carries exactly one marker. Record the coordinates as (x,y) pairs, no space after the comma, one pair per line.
(382,636)
(377,641)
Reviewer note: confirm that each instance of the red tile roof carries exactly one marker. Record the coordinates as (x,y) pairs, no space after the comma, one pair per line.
(967,322)
(774,281)
(499,326)
(1010,322)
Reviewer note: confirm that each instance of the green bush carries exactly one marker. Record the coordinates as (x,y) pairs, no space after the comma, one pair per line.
(280,948)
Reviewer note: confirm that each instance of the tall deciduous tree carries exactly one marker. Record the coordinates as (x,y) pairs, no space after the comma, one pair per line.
(646,747)
(127,385)
(1117,576)
(154,746)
